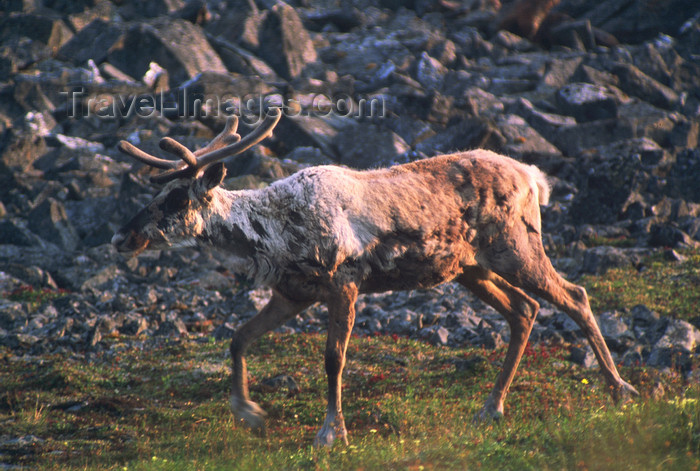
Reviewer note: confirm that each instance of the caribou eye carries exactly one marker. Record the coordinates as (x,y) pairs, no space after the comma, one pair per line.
(177,200)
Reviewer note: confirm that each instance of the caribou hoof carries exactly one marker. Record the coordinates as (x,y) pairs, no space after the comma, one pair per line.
(328,435)
(488,414)
(624,392)
(248,412)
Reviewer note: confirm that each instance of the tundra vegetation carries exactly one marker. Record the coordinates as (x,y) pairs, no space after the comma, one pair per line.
(113,364)
(409,403)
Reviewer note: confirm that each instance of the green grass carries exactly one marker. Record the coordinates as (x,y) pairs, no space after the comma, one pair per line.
(33,297)
(670,288)
(406,407)
(620,241)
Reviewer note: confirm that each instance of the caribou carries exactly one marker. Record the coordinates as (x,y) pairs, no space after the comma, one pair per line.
(328,233)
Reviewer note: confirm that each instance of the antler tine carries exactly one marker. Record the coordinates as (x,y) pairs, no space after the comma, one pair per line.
(174,174)
(260,133)
(144,157)
(226,144)
(170,145)
(225,137)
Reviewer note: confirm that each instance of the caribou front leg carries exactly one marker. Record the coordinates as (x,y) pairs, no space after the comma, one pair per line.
(278,310)
(341,314)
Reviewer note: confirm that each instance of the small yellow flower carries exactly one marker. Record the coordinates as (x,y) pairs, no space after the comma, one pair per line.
(584,381)
(373,430)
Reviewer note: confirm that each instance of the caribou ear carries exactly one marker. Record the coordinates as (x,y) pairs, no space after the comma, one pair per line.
(213,176)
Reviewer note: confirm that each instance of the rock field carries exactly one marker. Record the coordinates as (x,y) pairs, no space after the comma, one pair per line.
(602,95)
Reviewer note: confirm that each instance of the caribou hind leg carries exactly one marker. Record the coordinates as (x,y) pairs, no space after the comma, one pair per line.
(524,264)
(573,300)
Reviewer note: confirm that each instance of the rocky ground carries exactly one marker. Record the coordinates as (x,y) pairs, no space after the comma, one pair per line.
(604,96)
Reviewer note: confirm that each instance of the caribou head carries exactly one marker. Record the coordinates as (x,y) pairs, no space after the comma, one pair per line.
(174,218)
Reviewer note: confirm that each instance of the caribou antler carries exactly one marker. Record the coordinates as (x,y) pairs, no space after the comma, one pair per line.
(226,144)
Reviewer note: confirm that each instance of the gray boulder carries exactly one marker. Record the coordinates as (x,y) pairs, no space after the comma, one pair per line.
(586,102)
(50,221)
(366,145)
(92,42)
(674,348)
(523,141)
(284,43)
(637,83)
(430,72)
(583,356)
(631,21)
(599,260)
(176,45)
(470,133)
(615,330)
(47,28)
(612,178)
(19,150)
